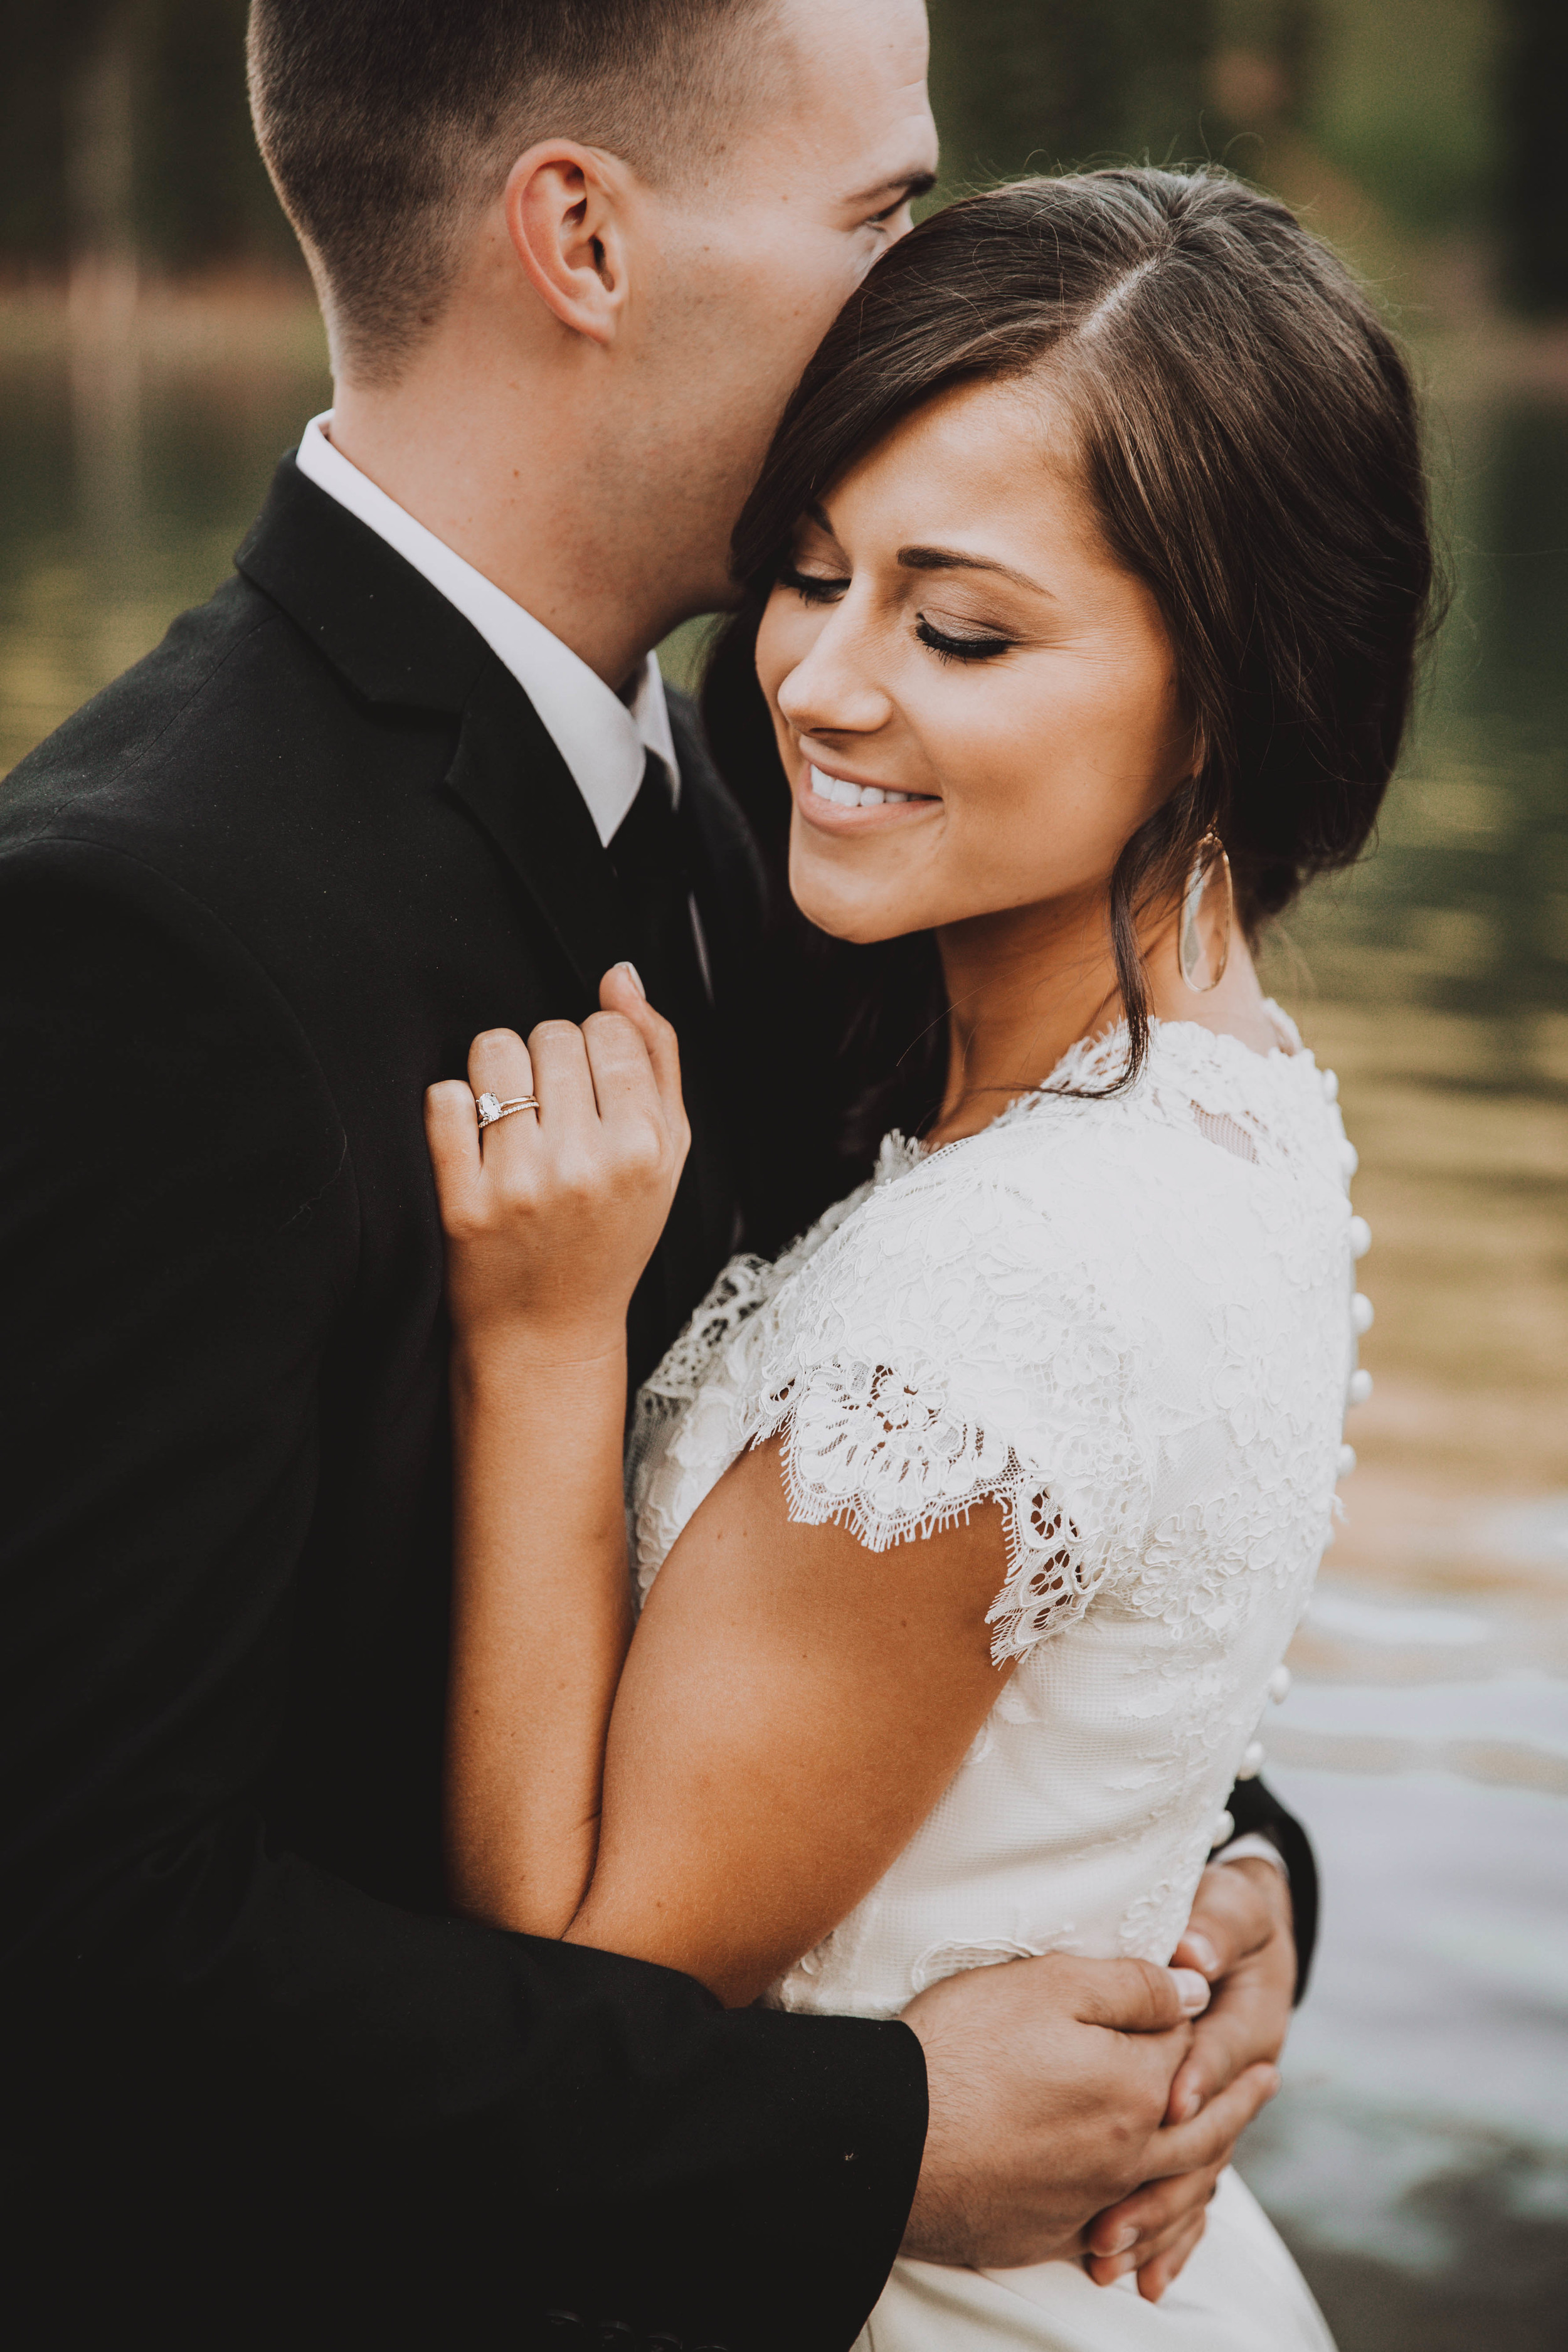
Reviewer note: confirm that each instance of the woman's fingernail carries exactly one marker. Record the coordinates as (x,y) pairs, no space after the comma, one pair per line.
(633,975)
(1190,2105)
(1191,1991)
(1125,2241)
(1203,1954)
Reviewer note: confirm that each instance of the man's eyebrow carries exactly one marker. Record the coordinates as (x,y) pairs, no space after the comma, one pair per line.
(913,185)
(948,559)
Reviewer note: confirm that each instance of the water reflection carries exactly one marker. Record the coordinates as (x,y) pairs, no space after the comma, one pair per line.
(133,460)
(1466,908)
(1419,2156)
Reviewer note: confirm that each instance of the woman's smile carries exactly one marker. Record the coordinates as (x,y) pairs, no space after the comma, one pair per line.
(834,802)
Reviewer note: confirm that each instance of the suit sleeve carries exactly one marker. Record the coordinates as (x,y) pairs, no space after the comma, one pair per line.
(1253,1806)
(248,2095)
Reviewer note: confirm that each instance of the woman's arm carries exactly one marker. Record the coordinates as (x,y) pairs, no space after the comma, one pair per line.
(790,1710)
(550,1219)
(794,1704)
(541,1619)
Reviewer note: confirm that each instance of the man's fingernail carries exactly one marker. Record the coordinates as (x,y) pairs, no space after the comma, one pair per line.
(1276,2082)
(1190,2105)
(633,975)
(1191,1991)
(1203,1954)
(1125,2241)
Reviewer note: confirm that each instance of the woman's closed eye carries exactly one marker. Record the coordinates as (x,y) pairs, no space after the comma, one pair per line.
(813,587)
(949,639)
(953,640)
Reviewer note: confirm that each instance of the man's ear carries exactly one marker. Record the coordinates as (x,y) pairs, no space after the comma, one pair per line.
(564,217)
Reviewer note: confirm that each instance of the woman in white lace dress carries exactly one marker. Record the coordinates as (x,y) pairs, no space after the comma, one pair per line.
(1093,548)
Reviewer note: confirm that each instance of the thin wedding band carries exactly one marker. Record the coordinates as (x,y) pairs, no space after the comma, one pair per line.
(490,1107)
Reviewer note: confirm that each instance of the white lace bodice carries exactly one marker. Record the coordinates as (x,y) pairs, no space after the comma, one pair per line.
(1129,1321)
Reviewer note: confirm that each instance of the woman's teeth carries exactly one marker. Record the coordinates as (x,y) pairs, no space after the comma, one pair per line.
(846,795)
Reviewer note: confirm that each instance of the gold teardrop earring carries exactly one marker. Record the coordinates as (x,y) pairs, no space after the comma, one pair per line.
(1203,966)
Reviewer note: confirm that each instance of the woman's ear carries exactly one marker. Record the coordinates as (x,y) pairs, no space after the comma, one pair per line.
(563,215)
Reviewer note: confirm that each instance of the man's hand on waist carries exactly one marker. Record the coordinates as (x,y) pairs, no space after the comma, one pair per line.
(1050,2080)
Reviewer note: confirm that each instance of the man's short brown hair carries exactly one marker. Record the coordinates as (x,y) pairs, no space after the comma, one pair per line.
(388,125)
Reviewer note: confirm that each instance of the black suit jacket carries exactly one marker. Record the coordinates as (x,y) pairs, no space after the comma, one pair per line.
(258,2083)
(253,899)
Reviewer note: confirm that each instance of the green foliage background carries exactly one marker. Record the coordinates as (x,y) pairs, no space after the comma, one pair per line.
(1446,113)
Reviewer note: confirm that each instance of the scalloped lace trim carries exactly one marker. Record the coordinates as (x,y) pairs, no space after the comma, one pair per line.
(864,1450)
(876,1445)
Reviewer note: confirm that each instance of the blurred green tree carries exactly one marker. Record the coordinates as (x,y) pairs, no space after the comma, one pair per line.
(1404,107)
(1400,95)
(1532,92)
(164,82)
(1033,85)
(202,193)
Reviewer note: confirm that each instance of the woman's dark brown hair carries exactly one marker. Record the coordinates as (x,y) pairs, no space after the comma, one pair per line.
(1248,434)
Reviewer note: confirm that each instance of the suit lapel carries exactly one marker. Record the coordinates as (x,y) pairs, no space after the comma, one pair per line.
(397,641)
(393,637)
(511,781)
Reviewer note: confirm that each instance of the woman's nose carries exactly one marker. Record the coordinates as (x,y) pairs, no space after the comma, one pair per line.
(833,689)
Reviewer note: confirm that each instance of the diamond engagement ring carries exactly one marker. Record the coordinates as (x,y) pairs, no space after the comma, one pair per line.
(490,1108)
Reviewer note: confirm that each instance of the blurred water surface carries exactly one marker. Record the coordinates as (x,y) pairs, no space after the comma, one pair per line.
(1420,2155)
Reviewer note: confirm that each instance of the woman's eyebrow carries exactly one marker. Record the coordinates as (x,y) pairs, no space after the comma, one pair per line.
(948,559)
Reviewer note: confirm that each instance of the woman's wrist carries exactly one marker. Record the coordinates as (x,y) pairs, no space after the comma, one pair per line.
(505,1351)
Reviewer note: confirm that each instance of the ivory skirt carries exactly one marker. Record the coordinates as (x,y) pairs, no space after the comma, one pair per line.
(1240,2291)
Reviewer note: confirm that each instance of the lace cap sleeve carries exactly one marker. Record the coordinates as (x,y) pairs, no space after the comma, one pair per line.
(955,1344)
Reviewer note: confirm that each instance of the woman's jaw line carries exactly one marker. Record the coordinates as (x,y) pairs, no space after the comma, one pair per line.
(834,801)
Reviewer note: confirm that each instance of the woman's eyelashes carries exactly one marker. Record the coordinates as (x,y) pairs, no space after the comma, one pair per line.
(968,645)
(950,644)
(813,587)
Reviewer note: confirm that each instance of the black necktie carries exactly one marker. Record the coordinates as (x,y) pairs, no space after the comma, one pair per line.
(649,856)
(655,876)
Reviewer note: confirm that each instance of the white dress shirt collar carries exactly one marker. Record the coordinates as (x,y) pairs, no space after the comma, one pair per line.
(604,741)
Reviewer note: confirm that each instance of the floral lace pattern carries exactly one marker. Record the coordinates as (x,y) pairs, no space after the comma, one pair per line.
(1126,1322)
(905,1351)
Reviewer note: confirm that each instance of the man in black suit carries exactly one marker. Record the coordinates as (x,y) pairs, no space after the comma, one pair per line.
(409,774)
